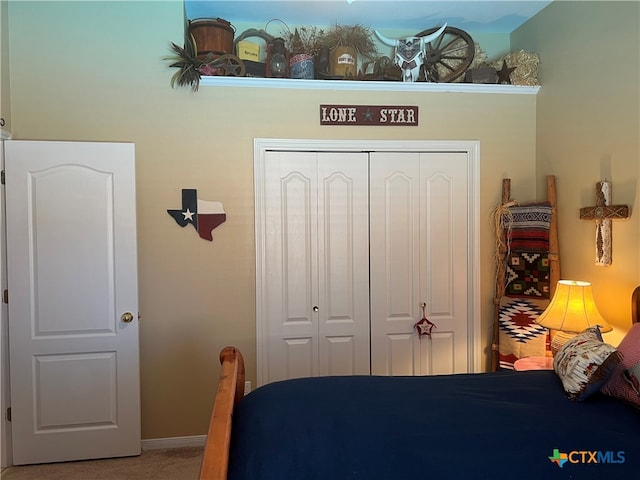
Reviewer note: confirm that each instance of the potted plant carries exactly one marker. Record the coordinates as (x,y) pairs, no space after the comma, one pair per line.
(346,43)
(185,59)
(304,45)
(192,66)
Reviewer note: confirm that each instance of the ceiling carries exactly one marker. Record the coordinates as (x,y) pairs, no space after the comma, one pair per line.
(488,16)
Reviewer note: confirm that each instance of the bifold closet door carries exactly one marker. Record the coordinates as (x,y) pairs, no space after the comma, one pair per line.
(316,262)
(419,248)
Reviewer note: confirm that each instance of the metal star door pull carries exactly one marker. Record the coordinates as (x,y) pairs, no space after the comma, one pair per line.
(424,325)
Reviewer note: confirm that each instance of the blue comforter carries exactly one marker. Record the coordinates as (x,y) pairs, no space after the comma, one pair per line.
(516,426)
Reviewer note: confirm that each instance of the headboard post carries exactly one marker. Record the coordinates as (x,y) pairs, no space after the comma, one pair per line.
(215,460)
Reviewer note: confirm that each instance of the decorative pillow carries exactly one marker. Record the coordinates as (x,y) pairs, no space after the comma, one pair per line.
(519,335)
(624,381)
(585,363)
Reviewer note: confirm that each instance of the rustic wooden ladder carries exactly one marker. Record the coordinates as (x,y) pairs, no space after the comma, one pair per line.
(554,259)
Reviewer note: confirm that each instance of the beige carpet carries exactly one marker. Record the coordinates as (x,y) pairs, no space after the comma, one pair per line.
(166,464)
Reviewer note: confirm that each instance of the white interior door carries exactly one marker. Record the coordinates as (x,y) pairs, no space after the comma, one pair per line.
(290,273)
(343,261)
(420,222)
(5,426)
(315,272)
(72,276)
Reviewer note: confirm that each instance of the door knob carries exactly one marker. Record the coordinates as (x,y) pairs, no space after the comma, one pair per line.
(127,317)
(315,308)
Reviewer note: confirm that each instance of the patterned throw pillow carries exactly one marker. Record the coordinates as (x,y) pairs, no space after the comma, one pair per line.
(624,381)
(519,335)
(585,363)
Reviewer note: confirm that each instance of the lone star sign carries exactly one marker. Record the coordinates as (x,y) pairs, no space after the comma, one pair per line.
(603,213)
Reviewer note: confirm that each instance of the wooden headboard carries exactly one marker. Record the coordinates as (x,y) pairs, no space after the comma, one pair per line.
(230,391)
(635,306)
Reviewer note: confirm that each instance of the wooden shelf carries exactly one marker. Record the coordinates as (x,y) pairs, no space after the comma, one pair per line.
(366,85)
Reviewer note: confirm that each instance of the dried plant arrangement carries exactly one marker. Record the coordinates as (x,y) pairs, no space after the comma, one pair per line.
(356,36)
(304,39)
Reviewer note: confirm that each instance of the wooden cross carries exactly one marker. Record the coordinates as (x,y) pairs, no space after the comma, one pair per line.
(603,213)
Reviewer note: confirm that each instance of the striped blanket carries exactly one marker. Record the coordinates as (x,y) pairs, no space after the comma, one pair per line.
(528,227)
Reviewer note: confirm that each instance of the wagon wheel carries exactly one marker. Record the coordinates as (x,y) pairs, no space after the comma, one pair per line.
(229,65)
(448,56)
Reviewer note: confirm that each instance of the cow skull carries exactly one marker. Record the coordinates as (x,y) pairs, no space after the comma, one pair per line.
(410,52)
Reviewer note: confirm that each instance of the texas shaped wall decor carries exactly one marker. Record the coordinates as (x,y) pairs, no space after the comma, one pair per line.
(204,215)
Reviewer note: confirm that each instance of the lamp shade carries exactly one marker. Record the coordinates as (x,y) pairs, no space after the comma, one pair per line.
(572,309)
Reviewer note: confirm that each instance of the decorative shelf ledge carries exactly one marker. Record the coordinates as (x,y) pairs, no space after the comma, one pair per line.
(366,85)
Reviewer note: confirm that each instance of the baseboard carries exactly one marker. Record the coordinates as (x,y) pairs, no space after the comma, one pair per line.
(173,442)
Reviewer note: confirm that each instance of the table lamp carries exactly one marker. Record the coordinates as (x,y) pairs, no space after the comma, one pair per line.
(572,309)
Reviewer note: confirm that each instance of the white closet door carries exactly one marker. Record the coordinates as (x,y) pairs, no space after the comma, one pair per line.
(419,247)
(343,263)
(315,265)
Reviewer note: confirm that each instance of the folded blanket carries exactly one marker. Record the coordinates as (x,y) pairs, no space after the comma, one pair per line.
(527,227)
(527,275)
(520,335)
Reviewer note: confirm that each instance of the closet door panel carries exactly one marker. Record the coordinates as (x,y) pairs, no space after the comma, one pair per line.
(419,236)
(290,265)
(401,355)
(299,357)
(316,264)
(436,228)
(437,355)
(343,261)
(395,268)
(444,247)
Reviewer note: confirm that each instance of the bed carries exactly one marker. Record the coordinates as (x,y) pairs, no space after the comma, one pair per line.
(466,426)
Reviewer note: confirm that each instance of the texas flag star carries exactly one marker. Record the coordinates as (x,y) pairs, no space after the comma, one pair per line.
(188,215)
(202,214)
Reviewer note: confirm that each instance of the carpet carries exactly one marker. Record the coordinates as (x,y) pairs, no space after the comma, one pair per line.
(162,464)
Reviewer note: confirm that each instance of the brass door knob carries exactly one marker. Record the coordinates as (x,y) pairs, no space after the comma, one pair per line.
(127,317)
